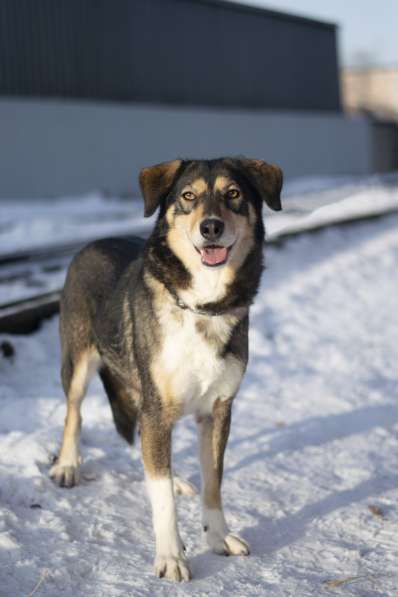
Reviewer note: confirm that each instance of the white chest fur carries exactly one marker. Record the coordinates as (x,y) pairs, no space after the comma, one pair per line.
(189,369)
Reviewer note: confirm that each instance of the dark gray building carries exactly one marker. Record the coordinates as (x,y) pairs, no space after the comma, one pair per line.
(93,90)
(181,52)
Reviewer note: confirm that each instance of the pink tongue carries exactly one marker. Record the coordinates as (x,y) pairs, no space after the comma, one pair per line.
(213,255)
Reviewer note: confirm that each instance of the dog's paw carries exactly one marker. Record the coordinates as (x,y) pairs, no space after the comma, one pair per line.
(229,545)
(172,568)
(183,487)
(65,475)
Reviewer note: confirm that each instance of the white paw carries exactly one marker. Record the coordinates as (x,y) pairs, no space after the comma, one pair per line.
(65,475)
(228,545)
(182,487)
(172,568)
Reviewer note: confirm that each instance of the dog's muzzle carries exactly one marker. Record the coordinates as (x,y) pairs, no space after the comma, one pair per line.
(212,254)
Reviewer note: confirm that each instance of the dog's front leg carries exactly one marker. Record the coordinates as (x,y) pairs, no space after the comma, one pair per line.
(214,432)
(170,561)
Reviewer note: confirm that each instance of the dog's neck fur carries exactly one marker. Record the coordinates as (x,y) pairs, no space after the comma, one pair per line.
(169,270)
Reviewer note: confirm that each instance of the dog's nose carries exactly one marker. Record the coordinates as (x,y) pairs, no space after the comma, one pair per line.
(211,228)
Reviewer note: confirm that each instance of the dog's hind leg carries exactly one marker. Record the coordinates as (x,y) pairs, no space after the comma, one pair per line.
(75,377)
(213,432)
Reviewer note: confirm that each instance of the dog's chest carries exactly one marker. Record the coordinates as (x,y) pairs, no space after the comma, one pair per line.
(191,370)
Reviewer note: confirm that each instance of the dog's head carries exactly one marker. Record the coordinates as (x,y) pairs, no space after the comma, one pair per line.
(212,209)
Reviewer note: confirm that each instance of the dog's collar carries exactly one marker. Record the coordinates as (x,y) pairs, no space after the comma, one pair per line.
(180,303)
(237,310)
(208,312)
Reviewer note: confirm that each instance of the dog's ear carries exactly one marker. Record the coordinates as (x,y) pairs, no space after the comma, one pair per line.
(155,182)
(267,179)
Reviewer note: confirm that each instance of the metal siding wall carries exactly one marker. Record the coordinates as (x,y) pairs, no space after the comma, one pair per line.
(52,148)
(166,51)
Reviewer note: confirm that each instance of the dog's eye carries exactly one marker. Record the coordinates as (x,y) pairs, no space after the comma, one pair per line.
(188,196)
(233,194)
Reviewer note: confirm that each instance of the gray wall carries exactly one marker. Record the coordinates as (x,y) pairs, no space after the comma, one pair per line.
(52,148)
(187,52)
(385,145)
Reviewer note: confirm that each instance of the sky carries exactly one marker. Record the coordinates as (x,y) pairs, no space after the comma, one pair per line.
(367,28)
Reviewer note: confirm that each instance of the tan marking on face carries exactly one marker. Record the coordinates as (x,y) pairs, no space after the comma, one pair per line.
(193,219)
(244,244)
(187,221)
(198,186)
(222,182)
(225,183)
(180,233)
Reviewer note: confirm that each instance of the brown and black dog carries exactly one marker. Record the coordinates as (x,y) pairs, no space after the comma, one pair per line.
(165,324)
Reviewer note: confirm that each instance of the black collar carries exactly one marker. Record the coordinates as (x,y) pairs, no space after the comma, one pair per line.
(207,312)
(180,303)
(210,312)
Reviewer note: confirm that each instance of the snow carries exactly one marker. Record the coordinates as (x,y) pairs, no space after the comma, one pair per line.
(308,203)
(311,477)
(29,223)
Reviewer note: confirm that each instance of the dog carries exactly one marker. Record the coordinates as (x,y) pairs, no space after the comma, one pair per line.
(165,324)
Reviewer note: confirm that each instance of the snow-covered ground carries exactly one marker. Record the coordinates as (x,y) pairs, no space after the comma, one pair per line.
(307,203)
(311,475)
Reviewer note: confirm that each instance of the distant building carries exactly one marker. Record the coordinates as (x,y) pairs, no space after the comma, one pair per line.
(93,90)
(181,52)
(371,89)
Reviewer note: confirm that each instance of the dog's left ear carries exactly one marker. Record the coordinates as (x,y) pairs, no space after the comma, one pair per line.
(267,179)
(155,183)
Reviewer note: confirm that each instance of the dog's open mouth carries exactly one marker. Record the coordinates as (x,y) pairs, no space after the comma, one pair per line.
(213,255)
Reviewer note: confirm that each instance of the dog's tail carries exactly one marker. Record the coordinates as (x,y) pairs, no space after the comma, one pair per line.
(123,407)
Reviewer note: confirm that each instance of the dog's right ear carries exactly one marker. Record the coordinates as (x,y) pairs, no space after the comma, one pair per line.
(155,183)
